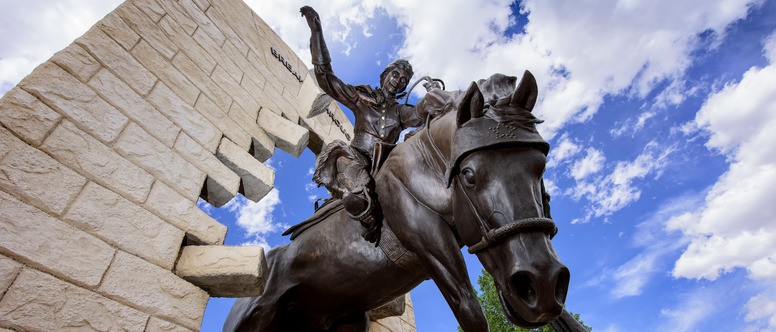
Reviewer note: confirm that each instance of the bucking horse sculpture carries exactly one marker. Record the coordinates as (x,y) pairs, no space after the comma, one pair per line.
(471,176)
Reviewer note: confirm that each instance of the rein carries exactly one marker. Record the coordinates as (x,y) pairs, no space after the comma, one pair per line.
(491,236)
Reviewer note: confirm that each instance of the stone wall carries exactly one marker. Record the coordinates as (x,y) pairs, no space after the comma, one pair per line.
(106,147)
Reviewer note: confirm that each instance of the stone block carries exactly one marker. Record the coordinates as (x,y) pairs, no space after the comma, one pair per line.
(202,4)
(146,28)
(145,151)
(221,22)
(158,325)
(238,56)
(311,99)
(112,56)
(223,122)
(26,116)
(240,18)
(184,40)
(173,78)
(117,29)
(154,290)
(40,302)
(287,135)
(257,179)
(174,10)
(390,309)
(203,22)
(262,146)
(36,238)
(224,271)
(130,227)
(202,81)
(152,8)
(77,102)
(76,61)
(237,92)
(183,115)
(217,53)
(246,119)
(222,183)
(390,324)
(36,177)
(9,269)
(184,214)
(131,104)
(83,153)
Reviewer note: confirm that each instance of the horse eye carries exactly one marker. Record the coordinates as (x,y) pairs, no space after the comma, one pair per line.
(468,177)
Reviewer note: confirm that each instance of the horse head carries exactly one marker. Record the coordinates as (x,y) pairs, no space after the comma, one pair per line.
(500,208)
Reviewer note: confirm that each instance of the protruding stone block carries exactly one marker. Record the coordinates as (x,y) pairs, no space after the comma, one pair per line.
(311,99)
(154,290)
(158,325)
(118,221)
(221,184)
(40,302)
(390,309)
(225,271)
(9,269)
(257,179)
(49,244)
(287,135)
(184,214)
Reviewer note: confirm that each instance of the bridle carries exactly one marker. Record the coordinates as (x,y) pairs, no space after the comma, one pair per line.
(491,236)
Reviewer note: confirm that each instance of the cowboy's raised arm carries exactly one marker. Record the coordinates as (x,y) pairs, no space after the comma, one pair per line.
(329,83)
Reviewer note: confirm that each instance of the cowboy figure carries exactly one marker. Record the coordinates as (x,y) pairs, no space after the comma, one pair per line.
(345,169)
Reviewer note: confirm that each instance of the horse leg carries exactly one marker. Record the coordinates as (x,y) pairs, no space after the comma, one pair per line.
(357,322)
(439,252)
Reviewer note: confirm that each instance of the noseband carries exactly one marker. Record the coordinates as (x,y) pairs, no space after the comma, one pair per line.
(491,236)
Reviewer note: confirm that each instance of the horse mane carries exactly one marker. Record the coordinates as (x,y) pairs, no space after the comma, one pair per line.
(497,91)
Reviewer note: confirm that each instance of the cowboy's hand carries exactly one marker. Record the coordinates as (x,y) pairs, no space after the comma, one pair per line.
(312,18)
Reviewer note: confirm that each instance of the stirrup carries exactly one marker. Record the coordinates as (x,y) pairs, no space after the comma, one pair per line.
(364,215)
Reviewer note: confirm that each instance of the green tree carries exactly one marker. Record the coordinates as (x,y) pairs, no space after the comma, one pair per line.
(497,321)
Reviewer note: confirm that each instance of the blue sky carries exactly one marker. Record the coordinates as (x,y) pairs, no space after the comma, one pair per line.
(662,120)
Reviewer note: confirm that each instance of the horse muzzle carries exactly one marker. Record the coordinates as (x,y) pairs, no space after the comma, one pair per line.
(536,295)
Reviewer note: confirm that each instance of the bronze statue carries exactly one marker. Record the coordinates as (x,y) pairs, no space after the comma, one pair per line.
(345,169)
(471,176)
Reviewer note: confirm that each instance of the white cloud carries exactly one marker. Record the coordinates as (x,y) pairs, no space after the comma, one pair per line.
(257,219)
(632,125)
(694,307)
(31,31)
(590,164)
(630,278)
(578,51)
(762,308)
(562,151)
(735,227)
(615,190)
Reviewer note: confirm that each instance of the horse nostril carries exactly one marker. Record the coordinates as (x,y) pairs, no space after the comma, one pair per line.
(523,284)
(562,285)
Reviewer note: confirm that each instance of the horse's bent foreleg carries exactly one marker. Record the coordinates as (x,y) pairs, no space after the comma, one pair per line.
(431,239)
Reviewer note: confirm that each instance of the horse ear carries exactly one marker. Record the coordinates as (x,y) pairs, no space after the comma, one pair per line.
(525,94)
(471,106)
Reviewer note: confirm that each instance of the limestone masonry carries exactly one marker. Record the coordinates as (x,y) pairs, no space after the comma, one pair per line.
(106,147)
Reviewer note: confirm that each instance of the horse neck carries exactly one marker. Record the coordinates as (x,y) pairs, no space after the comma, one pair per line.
(434,143)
